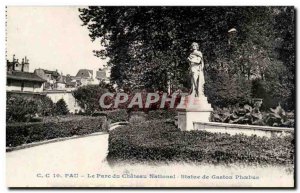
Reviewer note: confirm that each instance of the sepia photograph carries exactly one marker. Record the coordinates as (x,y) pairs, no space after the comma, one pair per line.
(150,96)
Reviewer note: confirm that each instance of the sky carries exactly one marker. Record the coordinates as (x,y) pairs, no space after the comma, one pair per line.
(51,38)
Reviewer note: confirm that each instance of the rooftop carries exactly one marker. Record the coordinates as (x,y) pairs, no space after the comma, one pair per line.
(28,76)
(85,73)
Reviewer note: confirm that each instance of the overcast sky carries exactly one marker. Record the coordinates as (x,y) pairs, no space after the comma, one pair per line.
(51,38)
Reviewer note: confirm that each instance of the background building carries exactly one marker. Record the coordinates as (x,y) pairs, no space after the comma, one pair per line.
(20,80)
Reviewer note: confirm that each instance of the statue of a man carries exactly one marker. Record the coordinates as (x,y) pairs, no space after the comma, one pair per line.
(196,70)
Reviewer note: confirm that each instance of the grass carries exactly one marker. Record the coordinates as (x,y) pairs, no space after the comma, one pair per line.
(161,141)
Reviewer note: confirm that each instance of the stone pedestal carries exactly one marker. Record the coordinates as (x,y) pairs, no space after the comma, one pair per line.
(193,109)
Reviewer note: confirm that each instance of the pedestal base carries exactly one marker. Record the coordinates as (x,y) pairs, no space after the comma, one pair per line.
(186,119)
(193,109)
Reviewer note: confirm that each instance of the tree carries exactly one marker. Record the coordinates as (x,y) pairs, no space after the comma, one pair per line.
(148,46)
(61,107)
(88,96)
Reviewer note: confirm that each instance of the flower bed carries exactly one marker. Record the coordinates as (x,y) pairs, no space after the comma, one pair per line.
(22,133)
(161,141)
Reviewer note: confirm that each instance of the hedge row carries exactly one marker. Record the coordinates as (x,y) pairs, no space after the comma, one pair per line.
(118,115)
(22,133)
(161,141)
(24,108)
(162,114)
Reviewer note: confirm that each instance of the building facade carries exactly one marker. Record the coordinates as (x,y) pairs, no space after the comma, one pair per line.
(19,79)
(51,83)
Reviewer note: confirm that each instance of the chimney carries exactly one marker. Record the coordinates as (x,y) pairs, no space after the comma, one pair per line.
(26,65)
(22,69)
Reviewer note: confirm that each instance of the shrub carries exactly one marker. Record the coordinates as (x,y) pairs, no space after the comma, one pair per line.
(118,115)
(160,141)
(238,115)
(20,109)
(88,97)
(252,115)
(137,117)
(222,89)
(61,107)
(278,117)
(45,106)
(162,114)
(18,134)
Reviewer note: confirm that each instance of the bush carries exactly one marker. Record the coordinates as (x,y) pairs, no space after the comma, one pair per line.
(61,107)
(162,114)
(222,89)
(18,134)
(20,109)
(137,117)
(251,115)
(88,97)
(161,141)
(23,108)
(45,106)
(238,115)
(278,117)
(118,115)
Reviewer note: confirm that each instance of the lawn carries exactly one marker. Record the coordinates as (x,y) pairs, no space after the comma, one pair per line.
(159,140)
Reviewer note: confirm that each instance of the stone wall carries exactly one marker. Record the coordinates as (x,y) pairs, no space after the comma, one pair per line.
(68,98)
(232,129)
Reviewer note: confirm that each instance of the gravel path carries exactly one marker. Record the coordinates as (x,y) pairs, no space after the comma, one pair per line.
(82,162)
(80,155)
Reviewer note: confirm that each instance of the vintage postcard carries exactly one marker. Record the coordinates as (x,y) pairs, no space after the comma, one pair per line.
(150,96)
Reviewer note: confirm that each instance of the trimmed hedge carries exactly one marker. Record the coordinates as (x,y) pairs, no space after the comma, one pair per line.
(22,133)
(162,114)
(118,115)
(161,141)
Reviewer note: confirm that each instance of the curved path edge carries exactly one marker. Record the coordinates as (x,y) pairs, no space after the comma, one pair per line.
(28,145)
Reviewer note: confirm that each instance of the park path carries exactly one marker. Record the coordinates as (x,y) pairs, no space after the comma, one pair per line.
(78,155)
(75,162)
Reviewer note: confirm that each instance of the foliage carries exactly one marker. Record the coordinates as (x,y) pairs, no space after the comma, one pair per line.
(18,134)
(61,107)
(278,117)
(253,116)
(45,106)
(162,114)
(117,115)
(223,90)
(238,115)
(140,52)
(20,109)
(88,97)
(107,86)
(161,141)
(137,117)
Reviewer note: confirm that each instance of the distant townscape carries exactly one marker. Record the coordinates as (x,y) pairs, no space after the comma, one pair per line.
(51,83)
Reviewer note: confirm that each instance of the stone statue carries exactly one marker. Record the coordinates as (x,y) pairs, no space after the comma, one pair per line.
(194,107)
(196,71)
